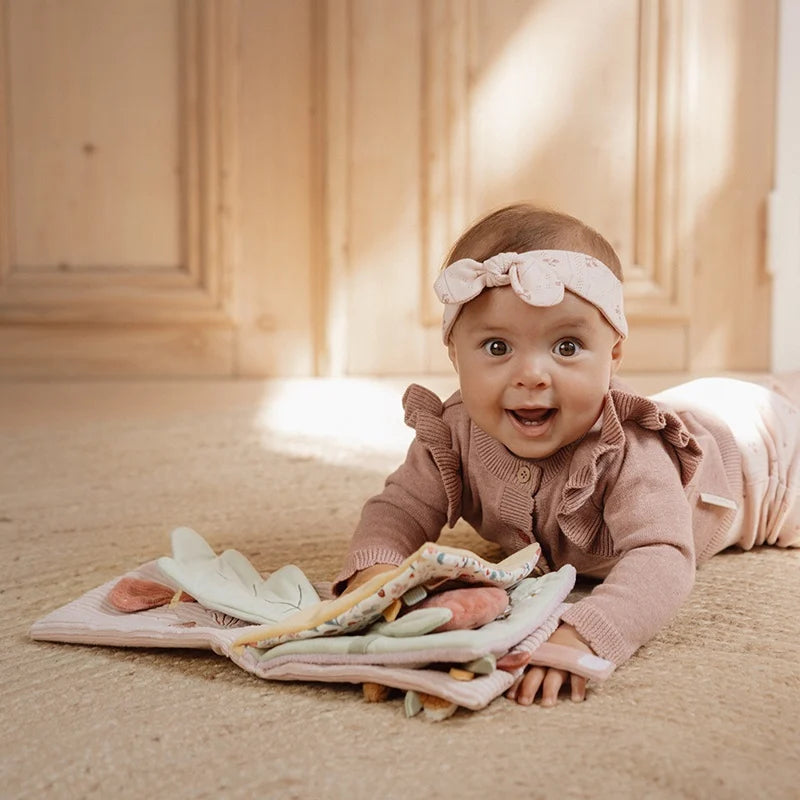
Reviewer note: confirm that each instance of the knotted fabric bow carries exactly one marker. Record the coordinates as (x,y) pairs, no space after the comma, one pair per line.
(539,277)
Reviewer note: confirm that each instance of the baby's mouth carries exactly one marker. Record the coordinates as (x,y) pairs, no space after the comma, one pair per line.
(532,417)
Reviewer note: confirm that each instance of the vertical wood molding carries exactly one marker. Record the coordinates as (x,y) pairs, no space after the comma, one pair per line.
(209,67)
(190,98)
(213,77)
(332,75)
(221,206)
(784,205)
(200,288)
(444,182)
(656,284)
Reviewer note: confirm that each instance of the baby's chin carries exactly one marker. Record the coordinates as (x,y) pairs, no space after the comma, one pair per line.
(531,453)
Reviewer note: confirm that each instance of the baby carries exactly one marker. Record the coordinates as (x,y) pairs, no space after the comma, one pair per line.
(542,443)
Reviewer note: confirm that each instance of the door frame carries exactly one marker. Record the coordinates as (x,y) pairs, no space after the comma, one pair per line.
(784,202)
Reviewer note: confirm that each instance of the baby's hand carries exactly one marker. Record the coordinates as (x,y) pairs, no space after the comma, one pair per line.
(366,574)
(549,679)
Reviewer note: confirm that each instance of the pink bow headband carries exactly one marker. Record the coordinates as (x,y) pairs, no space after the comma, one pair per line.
(539,277)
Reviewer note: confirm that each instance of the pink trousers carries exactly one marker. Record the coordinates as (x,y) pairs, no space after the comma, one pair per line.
(766,427)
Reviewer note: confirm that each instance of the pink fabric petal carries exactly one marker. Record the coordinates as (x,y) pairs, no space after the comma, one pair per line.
(472,607)
(133,594)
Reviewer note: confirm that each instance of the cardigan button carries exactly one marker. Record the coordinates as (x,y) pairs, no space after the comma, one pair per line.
(523,474)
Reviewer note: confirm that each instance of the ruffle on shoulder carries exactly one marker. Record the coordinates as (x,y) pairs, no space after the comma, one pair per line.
(647,414)
(579,519)
(423,413)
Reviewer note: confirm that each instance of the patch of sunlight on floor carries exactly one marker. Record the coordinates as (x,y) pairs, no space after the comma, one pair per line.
(344,420)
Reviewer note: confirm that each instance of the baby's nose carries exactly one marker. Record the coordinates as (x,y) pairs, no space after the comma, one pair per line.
(532,371)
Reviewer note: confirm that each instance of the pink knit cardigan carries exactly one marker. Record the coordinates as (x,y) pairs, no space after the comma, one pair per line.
(622,505)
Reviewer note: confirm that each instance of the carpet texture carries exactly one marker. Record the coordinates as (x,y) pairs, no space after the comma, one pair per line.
(93,476)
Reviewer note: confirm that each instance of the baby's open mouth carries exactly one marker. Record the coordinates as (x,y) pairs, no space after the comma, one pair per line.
(532,416)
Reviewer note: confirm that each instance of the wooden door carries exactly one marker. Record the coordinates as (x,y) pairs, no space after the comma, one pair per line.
(267,188)
(652,120)
(115,195)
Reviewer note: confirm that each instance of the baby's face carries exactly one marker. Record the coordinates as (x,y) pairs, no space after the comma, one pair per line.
(533,378)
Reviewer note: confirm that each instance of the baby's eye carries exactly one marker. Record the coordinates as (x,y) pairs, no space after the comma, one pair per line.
(496,347)
(567,348)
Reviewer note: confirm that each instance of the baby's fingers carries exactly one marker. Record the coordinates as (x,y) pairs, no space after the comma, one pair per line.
(525,688)
(550,681)
(578,685)
(551,686)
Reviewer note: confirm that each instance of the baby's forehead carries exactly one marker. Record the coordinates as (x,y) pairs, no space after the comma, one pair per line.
(503,302)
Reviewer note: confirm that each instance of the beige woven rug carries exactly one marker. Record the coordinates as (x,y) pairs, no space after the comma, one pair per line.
(93,476)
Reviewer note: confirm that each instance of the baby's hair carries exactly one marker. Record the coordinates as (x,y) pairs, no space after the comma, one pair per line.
(522,227)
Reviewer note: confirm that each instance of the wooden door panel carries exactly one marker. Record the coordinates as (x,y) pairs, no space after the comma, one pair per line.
(116,205)
(579,107)
(94,132)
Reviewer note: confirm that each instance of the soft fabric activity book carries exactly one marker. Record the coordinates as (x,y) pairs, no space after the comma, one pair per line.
(447,627)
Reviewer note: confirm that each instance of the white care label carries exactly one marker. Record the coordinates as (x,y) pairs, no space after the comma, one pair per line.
(716,500)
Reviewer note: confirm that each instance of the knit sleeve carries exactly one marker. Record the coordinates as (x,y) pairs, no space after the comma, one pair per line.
(417,499)
(647,518)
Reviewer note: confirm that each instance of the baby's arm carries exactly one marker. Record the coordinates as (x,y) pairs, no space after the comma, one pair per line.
(410,511)
(649,521)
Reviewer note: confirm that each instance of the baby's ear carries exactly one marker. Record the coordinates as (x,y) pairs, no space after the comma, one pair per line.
(451,352)
(616,356)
